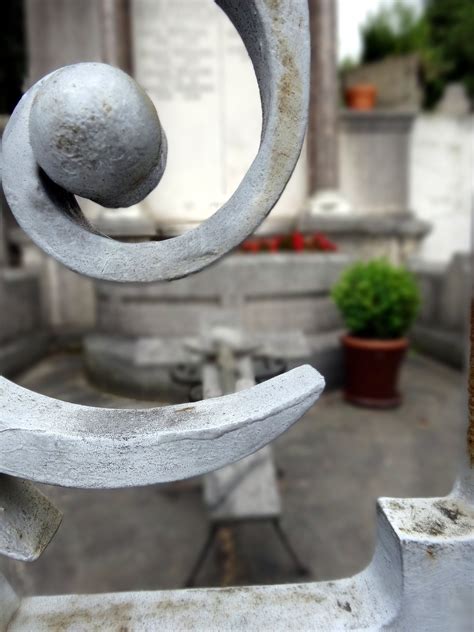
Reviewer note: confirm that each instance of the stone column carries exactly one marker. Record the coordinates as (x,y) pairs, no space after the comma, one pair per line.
(324,107)
(323,137)
(61,32)
(116,42)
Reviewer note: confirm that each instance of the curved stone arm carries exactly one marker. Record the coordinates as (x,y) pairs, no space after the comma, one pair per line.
(276,35)
(50,441)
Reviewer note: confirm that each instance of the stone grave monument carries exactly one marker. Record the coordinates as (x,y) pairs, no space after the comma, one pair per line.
(421,574)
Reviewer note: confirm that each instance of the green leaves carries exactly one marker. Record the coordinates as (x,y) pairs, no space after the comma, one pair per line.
(377,300)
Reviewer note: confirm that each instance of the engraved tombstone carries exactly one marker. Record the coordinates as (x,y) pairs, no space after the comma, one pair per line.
(190,60)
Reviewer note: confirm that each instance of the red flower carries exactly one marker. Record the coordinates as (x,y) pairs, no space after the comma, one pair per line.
(297,242)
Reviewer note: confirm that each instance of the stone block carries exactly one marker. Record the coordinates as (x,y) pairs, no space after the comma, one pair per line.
(373,155)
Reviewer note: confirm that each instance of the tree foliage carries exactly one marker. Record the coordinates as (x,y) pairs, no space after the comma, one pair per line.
(442,35)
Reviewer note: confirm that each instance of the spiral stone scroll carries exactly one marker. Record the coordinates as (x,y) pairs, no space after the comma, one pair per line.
(89,130)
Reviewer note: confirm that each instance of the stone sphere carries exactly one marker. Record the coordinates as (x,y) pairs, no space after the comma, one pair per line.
(96,133)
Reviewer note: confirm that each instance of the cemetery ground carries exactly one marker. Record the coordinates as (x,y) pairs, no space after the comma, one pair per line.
(333,465)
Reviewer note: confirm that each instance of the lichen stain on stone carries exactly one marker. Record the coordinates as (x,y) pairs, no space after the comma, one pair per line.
(344,606)
(274,5)
(452,513)
(113,617)
(106,107)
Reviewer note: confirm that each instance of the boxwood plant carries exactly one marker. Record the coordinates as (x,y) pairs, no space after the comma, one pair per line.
(377,299)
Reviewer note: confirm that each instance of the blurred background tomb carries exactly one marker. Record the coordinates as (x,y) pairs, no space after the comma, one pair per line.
(389,178)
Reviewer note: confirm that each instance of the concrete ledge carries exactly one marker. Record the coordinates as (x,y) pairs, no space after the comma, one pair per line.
(395,225)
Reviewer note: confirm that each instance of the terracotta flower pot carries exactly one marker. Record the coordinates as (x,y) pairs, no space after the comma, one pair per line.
(372,368)
(361,97)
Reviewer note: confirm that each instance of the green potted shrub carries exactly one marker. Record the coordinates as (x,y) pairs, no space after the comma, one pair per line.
(378,302)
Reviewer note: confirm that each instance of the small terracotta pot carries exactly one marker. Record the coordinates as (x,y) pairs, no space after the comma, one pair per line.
(372,368)
(361,97)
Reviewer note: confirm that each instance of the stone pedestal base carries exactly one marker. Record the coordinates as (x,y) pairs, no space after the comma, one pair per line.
(165,368)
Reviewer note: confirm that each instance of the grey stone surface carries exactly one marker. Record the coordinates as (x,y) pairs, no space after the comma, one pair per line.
(140,366)
(28,521)
(374,154)
(281,301)
(146,366)
(115,159)
(324,103)
(246,490)
(99,448)
(441,328)
(270,292)
(335,462)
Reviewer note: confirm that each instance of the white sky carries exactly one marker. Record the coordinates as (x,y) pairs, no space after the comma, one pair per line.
(352,15)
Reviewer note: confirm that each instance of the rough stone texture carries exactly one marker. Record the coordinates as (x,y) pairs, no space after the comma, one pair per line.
(74,122)
(335,463)
(441,328)
(99,448)
(28,521)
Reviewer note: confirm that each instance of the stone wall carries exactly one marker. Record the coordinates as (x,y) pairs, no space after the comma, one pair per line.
(275,292)
(441,329)
(441,182)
